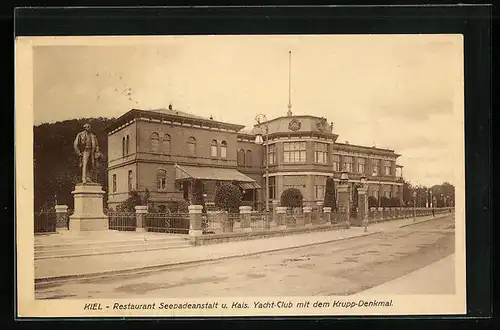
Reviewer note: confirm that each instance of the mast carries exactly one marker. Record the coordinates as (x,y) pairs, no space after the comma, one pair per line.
(289,113)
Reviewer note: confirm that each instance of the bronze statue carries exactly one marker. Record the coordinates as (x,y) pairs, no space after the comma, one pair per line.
(87,148)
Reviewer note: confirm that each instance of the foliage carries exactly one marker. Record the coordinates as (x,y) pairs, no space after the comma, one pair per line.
(329,200)
(292,197)
(55,164)
(385,201)
(372,201)
(395,202)
(228,197)
(134,199)
(198,198)
(355,196)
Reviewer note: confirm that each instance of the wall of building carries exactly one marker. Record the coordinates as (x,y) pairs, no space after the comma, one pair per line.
(115,140)
(122,191)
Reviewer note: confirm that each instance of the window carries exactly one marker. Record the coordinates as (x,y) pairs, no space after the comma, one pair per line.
(241,157)
(272,187)
(130,180)
(123,147)
(213,148)
(272,154)
(114,182)
(127,145)
(155,141)
(223,149)
(294,152)
(387,167)
(375,165)
(166,143)
(336,163)
(361,165)
(348,163)
(248,158)
(320,152)
(161,180)
(191,144)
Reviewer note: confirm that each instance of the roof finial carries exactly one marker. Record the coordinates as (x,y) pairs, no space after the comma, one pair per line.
(289,112)
(170,106)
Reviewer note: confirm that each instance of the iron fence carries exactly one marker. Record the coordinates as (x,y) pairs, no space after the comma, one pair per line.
(171,223)
(45,222)
(122,221)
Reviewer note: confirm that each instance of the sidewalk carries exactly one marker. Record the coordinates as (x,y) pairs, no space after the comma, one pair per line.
(436,278)
(136,262)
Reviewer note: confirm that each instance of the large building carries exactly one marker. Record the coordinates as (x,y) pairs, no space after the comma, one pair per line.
(165,150)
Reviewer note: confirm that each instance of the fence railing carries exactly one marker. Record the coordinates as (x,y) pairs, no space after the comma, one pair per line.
(45,222)
(171,223)
(122,221)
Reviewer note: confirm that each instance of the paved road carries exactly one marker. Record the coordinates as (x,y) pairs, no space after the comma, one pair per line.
(337,268)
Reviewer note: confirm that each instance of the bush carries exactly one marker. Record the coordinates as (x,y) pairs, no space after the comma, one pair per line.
(372,201)
(385,201)
(198,198)
(329,200)
(134,199)
(395,202)
(292,197)
(355,196)
(228,197)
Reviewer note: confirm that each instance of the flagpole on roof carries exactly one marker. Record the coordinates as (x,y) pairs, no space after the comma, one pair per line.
(289,113)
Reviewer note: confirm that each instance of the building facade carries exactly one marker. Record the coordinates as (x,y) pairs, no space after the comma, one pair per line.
(164,151)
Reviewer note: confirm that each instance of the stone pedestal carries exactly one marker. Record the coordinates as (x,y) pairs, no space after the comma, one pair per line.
(61,218)
(276,204)
(88,215)
(140,215)
(195,219)
(319,212)
(327,214)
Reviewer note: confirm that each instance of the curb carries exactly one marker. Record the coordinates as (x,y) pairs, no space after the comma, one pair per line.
(40,282)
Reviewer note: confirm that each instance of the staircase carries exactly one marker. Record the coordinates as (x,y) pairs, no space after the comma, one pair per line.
(65,246)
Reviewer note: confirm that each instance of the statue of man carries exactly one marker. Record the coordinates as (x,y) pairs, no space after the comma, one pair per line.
(87,148)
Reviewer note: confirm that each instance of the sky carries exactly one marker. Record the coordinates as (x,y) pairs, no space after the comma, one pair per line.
(403,92)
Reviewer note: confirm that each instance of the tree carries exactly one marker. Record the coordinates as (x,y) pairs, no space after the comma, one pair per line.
(408,190)
(372,201)
(330,200)
(385,201)
(134,199)
(228,197)
(291,197)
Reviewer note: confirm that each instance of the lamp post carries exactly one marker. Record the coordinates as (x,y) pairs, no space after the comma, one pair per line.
(365,201)
(414,201)
(258,140)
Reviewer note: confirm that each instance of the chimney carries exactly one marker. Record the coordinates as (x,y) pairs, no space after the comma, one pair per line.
(346,142)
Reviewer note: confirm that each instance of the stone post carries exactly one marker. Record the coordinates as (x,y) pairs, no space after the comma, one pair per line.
(319,212)
(307,215)
(195,218)
(88,215)
(140,216)
(362,219)
(344,205)
(327,214)
(276,204)
(281,217)
(62,223)
(245,218)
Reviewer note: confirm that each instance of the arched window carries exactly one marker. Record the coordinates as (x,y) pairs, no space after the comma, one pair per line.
(213,148)
(127,145)
(241,157)
(155,141)
(166,143)
(223,149)
(161,180)
(123,147)
(248,158)
(130,180)
(191,145)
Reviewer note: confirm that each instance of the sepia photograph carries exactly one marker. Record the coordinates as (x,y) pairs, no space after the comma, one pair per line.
(240,175)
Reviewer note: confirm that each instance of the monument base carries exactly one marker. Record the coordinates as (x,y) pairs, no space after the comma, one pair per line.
(88,215)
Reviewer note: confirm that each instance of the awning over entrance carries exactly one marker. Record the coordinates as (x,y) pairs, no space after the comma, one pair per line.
(214,174)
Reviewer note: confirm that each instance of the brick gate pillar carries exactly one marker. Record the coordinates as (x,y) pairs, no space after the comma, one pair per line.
(281,217)
(344,205)
(307,215)
(61,218)
(327,214)
(140,216)
(245,212)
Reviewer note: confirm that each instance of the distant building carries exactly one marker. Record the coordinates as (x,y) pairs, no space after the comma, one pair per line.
(164,150)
